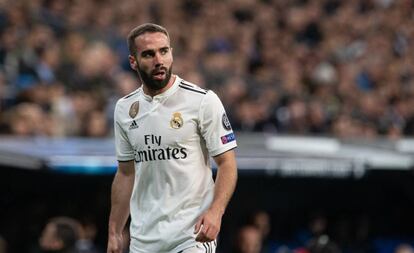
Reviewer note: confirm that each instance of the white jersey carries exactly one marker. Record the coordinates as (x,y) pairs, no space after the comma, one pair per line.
(171,137)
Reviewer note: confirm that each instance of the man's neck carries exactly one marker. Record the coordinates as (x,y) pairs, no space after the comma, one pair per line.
(152,93)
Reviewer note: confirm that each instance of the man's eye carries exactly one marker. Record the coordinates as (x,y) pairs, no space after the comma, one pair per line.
(146,55)
(164,51)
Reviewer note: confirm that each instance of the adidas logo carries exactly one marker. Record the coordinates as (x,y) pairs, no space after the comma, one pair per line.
(133,125)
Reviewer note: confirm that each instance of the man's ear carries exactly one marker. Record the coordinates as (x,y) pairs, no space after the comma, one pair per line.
(133,62)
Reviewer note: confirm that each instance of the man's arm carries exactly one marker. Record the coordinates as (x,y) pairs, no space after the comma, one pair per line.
(224,187)
(121,193)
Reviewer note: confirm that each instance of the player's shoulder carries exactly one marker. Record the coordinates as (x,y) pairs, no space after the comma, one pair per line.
(191,88)
(130,97)
(126,101)
(197,94)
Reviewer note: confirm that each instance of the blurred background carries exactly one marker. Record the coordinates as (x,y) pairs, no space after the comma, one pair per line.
(319,92)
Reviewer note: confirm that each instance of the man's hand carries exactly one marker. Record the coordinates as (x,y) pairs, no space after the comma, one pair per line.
(115,243)
(209,223)
(208,226)
(120,195)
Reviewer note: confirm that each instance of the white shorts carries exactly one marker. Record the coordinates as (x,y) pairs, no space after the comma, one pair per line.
(207,247)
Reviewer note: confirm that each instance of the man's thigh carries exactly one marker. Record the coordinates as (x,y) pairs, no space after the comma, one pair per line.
(207,247)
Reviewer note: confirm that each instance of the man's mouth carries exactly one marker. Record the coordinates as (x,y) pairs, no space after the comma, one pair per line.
(159,74)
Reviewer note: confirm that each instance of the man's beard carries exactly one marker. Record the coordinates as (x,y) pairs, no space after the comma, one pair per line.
(155,84)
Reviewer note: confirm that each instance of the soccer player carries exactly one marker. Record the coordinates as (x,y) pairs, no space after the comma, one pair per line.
(165,133)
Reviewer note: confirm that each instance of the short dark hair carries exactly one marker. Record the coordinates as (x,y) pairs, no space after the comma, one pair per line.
(141,29)
(67,230)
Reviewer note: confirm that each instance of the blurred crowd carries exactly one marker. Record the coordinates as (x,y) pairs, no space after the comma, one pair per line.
(64,234)
(320,67)
(319,236)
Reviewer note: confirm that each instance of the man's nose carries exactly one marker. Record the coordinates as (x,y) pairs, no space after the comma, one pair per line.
(158,60)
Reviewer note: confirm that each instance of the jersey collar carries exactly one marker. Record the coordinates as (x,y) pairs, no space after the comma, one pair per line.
(166,93)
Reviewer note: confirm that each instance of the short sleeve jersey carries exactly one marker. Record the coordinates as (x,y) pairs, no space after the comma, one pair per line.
(171,137)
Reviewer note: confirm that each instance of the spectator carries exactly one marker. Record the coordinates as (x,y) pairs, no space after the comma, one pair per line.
(26,119)
(60,235)
(249,240)
(261,220)
(95,124)
(87,236)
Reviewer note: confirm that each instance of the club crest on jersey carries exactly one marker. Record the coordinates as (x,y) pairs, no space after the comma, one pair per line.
(133,110)
(176,121)
(226,122)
